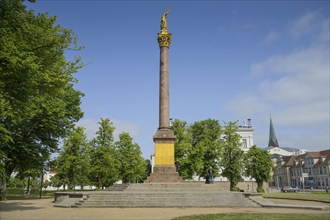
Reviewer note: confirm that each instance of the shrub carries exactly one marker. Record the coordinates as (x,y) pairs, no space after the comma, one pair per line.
(34,192)
(15,191)
(236,189)
(260,190)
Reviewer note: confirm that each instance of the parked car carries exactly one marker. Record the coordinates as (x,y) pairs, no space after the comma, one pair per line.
(290,189)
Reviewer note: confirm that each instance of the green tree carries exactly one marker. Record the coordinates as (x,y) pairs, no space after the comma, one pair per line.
(132,166)
(149,167)
(205,147)
(58,180)
(29,177)
(5,136)
(16,182)
(46,184)
(73,161)
(104,164)
(232,158)
(258,164)
(36,87)
(182,148)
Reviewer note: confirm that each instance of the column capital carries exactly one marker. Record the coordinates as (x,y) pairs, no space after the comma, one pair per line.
(164,39)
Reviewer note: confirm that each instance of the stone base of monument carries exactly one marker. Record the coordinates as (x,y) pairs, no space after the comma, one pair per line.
(169,195)
(164,174)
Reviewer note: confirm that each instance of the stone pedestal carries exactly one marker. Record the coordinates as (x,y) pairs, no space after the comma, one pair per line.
(164,174)
(164,170)
(164,140)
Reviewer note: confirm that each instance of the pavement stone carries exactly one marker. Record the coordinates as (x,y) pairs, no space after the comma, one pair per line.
(40,209)
(309,205)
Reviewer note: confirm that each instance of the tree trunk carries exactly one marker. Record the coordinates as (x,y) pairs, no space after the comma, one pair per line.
(28,185)
(3,188)
(41,182)
(5,180)
(100,184)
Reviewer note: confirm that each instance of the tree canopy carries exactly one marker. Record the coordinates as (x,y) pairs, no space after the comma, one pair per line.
(182,148)
(197,147)
(232,158)
(132,166)
(39,103)
(73,160)
(104,163)
(206,146)
(258,165)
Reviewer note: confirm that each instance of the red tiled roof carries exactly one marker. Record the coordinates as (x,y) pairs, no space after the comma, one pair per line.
(325,155)
(290,161)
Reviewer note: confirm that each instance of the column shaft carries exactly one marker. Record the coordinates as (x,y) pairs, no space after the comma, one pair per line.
(164,108)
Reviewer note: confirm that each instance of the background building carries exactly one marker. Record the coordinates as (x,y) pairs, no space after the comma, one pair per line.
(308,170)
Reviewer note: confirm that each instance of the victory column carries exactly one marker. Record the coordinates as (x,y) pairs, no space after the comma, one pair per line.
(164,139)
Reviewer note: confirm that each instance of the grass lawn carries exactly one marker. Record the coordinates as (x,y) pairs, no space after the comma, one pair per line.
(255,216)
(312,196)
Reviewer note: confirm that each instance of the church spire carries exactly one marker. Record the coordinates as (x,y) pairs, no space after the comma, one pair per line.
(272,136)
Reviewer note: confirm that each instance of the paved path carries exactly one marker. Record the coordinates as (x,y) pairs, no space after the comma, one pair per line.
(43,209)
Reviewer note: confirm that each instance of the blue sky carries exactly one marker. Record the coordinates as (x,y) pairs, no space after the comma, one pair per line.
(229,60)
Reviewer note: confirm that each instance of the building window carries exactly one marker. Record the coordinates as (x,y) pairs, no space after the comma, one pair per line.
(244,144)
(321,171)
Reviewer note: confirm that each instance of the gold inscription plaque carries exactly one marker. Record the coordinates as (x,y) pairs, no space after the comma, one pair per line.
(164,153)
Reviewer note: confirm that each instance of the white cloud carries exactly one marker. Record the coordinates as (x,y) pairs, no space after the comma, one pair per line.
(271,37)
(123,126)
(304,25)
(297,85)
(306,115)
(91,126)
(247,104)
(324,36)
(294,87)
(301,77)
(310,141)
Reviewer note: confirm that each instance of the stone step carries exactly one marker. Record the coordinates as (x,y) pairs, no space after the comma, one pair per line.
(167,205)
(164,194)
(177,202)
(117,187)
(160,195)
(175,187)
(172,198)
(168,200)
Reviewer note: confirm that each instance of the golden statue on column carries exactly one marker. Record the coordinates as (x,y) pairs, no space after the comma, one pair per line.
(163,23)
(164,37)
